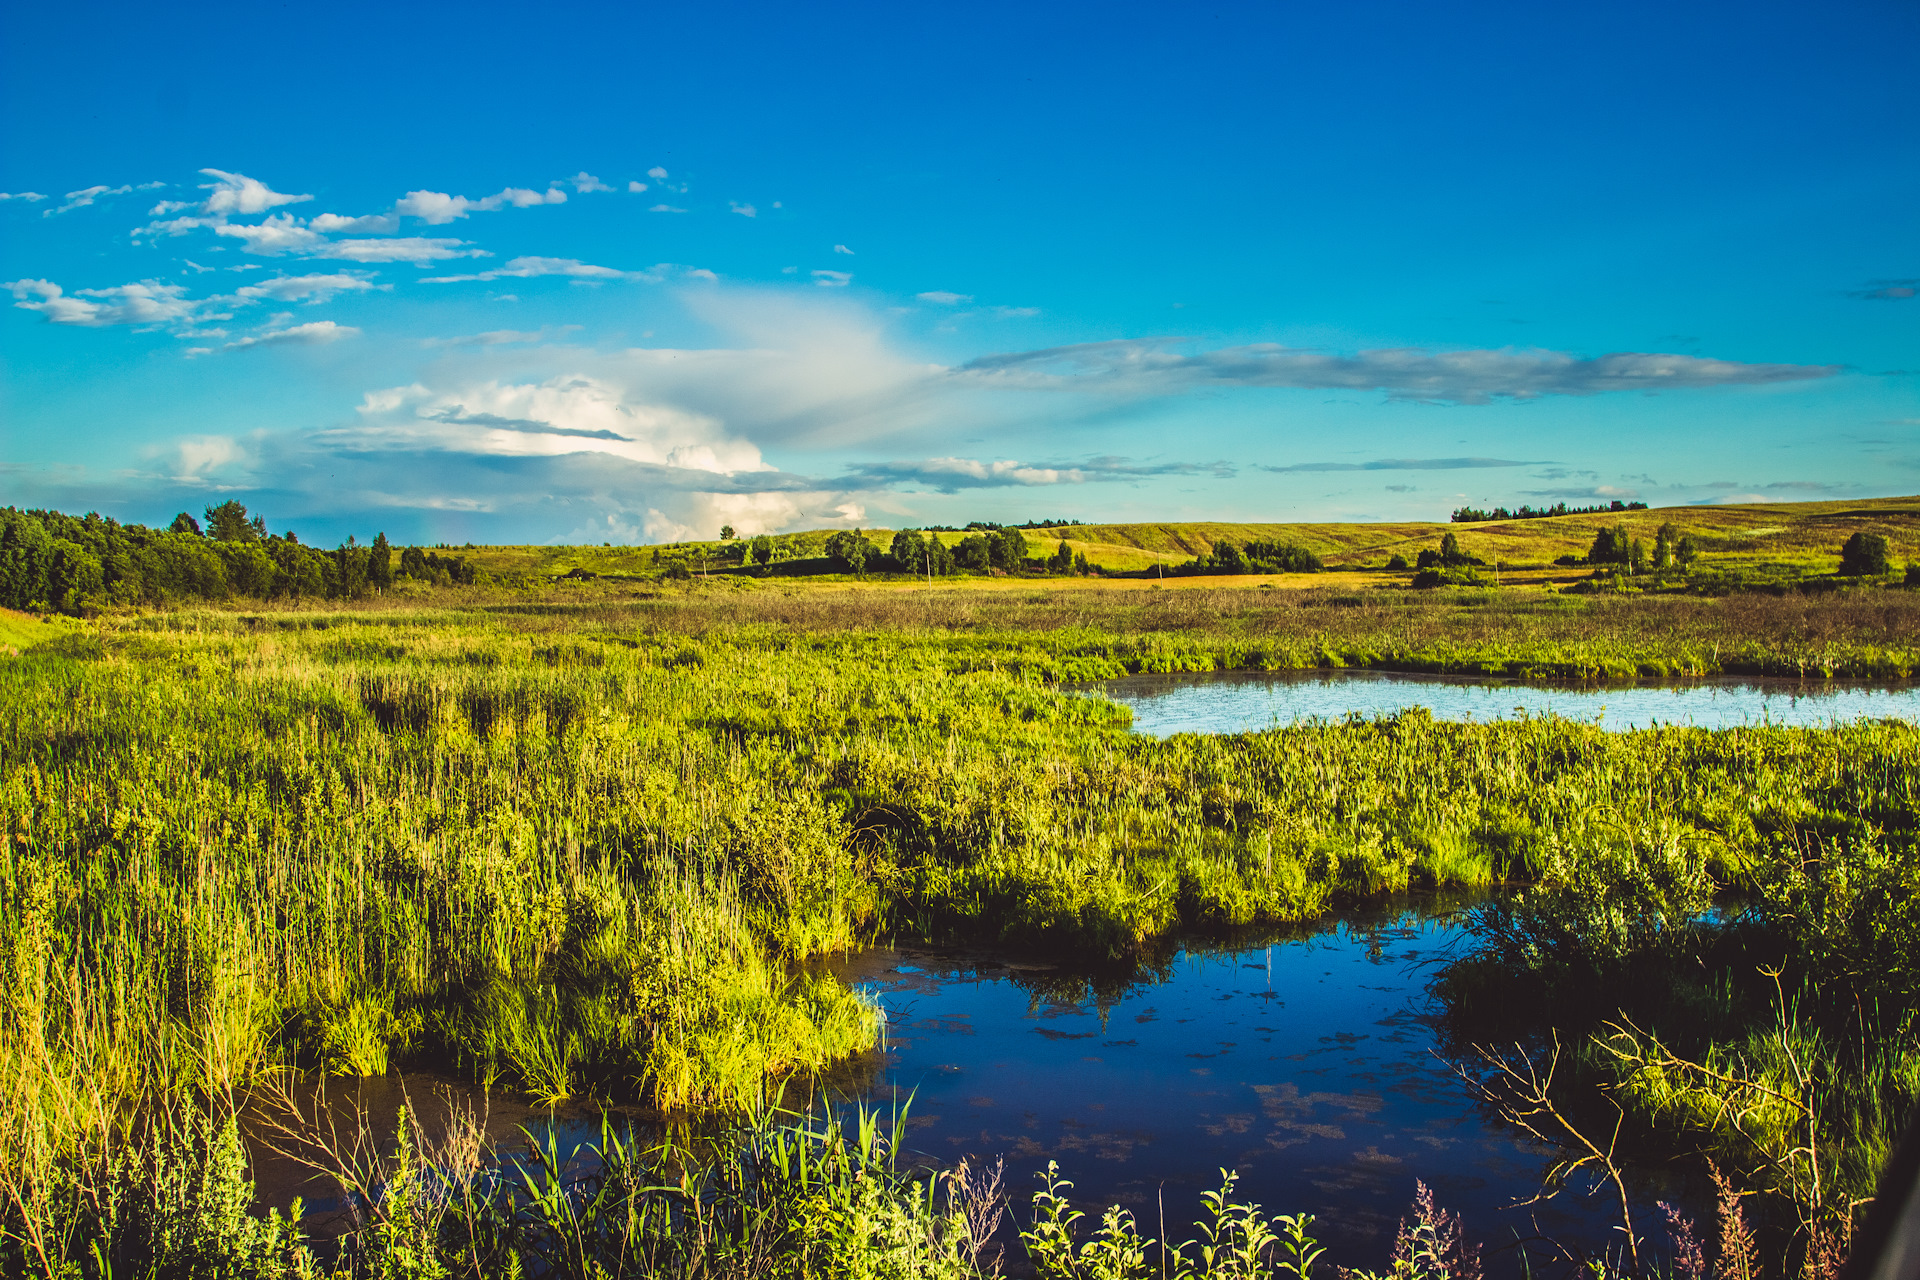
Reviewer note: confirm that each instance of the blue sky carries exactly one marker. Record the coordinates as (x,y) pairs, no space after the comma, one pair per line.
(620,273)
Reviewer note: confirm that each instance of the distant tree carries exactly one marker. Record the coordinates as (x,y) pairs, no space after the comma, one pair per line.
(760,550)
(1664,543)
(1227,558)
(1427,559)
(228,523)
(849,550)
(380,562)
(972,552)
(1062,560)
(1866,555)
(1637,556)
(1611,546)
(1685,552)
(1450,553)
(1007,549)
(413,563)
(1397,561)
(184,523)
(726,533)
(908,552)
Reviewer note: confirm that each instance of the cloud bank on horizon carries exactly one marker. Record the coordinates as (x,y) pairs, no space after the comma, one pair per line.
(637,352)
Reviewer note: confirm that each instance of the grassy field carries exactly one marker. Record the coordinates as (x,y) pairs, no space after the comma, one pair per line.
(576,842)
(1805,535)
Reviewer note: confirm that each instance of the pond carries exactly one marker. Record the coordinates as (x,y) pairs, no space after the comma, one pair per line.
(1307,1064)
(1305,1061)
(1246,701)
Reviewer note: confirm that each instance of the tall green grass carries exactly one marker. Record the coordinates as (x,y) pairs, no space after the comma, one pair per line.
(580,851)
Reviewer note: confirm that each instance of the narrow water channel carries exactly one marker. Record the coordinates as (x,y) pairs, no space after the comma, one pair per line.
(1248,701)
(1306,1064)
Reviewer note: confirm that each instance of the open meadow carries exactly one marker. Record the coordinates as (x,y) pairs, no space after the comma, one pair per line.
(579,842)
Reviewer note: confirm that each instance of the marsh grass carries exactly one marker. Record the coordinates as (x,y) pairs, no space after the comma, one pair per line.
(580,848)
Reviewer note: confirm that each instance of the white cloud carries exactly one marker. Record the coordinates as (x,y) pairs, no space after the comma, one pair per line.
(437,207)
(840,248)
(276,235)
(31,197)
(317,333)
(574,413)
(281,234)
(941,297)
(400,249)
(583,182)
(168,206)
(636,187)
(371,224)
(744,210)
(657,174)
(1016,313)
(833,279)
(529,267)
(315,288)
(666,208)
(85,196)
(236,193)
(145,303)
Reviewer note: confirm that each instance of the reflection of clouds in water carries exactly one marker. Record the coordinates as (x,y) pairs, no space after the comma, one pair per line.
(1100,1145)
(1293,1113)
(1374,1155)
(1241,1122)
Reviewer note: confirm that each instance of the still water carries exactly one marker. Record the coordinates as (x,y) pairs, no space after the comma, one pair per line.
(1308,1065)
(1245,701)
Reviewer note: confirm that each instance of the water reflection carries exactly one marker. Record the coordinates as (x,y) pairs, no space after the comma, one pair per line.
(1245,701)
(1305,1063)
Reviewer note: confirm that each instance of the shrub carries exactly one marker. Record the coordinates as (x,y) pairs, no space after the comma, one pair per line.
(1866,555)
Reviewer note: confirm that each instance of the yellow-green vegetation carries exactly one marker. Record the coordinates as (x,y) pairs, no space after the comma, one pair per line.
(579,847)
(1738,534)
(20,631)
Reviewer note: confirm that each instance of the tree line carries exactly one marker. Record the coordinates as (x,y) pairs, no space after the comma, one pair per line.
(1473,515)
(53,562)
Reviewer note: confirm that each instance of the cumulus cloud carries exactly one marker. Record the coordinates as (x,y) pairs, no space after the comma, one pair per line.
(1144,366)
(147,302)
(1404,464)
(522,268)
(833,279)
(313,288)
(657,174)
(437,207)
(744,210)
(567,414)
(636,187)
(583,182)
(666,208)
(236,193)
(940,297)
(840,248)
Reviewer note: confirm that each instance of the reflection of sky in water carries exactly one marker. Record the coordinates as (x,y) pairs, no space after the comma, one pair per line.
(1240,701)
(1305,1066)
